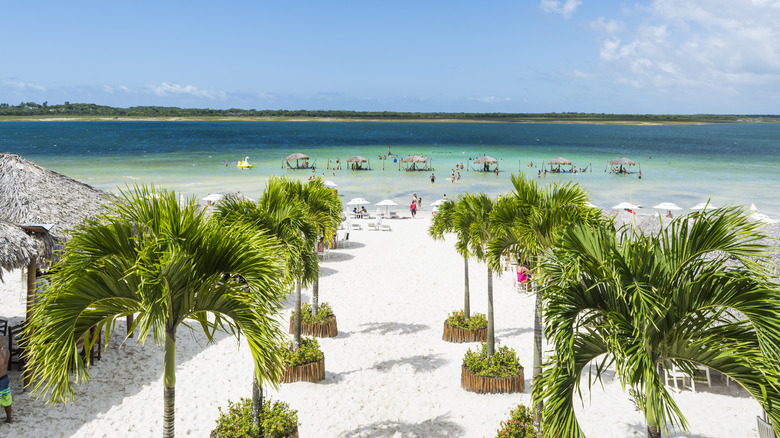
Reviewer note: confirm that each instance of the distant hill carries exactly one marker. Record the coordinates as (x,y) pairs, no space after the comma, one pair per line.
(91,111)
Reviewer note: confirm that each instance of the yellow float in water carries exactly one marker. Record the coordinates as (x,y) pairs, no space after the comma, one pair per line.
(244,164)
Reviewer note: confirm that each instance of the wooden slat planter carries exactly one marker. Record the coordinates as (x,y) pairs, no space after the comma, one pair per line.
(294,434)
(455,334)
(491,385)
(311,372)
(325,329)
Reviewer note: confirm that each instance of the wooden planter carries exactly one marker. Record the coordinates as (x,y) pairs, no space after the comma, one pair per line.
(311,372)
(325,329)
(294,434)
(491,385)
(454,334)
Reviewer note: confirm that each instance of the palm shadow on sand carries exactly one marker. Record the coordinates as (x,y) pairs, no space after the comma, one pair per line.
(422,363)
(386,328)
(440,426)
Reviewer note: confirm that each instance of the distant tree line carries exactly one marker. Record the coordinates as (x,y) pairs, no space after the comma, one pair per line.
(68,109)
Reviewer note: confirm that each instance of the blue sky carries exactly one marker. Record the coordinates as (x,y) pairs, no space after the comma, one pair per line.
(662,56)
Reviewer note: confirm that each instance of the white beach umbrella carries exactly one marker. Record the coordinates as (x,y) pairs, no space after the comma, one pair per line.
(437,203)
(702,206)
(753,207)
(387,203)
(625,206)
(357,201)
(214,197)
(590,204)
(667,206)
(330,184)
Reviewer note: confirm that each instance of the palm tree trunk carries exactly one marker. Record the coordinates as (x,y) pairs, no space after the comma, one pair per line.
(315,296)
(537,357)
(653,432)
(257,405)
(466,296)
(653,412)
(169,382)
(297,319)
(491,338)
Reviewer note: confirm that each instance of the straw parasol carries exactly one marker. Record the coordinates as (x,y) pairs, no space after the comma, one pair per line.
(414,159)
(559,161)
(621,161)
(485,160)
(30,196)
(356,159)
(17,248)
(296,156)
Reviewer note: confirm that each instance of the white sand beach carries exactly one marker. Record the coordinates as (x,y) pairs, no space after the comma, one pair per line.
(388,373)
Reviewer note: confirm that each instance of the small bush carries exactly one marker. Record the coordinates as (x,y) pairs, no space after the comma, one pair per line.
(308,352)
(519,425)
(457,320)
(504,363)
(277,418)
(325,313)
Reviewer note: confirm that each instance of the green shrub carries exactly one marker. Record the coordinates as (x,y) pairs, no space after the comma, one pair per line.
(519,425)
(308,352)
(277,418)
(504,363)
(457,320)
(324,314)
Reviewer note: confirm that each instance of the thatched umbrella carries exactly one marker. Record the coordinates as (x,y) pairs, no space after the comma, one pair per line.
(358,160)
(414,159)
(559,161)
(297,157)
(486,161)
(621,161)
(17,248)
(31,195)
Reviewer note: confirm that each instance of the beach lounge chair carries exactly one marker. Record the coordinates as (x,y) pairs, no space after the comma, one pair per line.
(15,346)
(372,226)
(386,227)
(765,429)
(674,373)
(4,327)
(357,226)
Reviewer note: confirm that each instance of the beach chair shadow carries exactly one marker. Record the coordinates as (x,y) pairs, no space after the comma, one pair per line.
(436,427)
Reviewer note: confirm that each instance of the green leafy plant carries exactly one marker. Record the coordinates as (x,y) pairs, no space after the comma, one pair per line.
(459,320)
(519,425)
(503,364)
(308,352)
(325,313)
(277,418)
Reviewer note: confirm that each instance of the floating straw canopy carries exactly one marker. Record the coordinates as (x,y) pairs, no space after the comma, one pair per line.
(296,156)
(621,161)
(485,159)
(414,159)
(356,159)
(559,161)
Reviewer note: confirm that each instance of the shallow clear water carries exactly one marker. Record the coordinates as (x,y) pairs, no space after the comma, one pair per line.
(687,164)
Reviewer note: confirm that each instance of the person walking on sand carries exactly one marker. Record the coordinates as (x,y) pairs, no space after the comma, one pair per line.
(413,209)
(5,384)
(433,178)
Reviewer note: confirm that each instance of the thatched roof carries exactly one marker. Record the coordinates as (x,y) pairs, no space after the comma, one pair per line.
(621,161)
(559,160)
(17,248)
(356,159)
(30,194)
(296,156)
(485,159)
(414,159)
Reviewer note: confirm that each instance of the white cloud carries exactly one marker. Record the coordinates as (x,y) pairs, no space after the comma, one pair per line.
(23,86)
(170,89)
(555,6)
(110,90)
(705,44)
(490,99)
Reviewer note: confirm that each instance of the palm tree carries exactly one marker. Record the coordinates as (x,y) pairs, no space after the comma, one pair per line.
(697,292)
(323,207)
(476,208)
(526,223)
(168,264)
(452,217)
(283,217)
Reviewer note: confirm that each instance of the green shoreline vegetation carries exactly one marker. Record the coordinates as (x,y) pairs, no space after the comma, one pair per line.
(31,111)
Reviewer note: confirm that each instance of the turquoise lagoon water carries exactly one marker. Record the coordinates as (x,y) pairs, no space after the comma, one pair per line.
(684,164)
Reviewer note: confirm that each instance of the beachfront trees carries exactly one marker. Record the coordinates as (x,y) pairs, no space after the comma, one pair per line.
(453,217)
(168,264)
(528,222)
(477,208)
(697,293)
